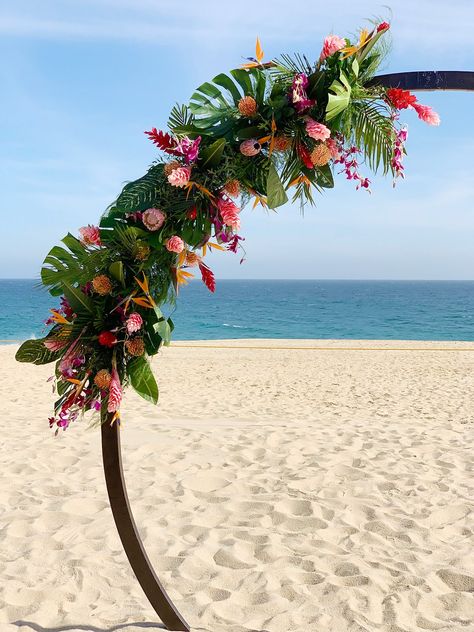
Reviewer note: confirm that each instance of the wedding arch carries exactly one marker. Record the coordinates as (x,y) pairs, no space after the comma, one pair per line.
(255,134)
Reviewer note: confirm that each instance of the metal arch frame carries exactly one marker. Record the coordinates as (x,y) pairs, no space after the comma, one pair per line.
(111,453)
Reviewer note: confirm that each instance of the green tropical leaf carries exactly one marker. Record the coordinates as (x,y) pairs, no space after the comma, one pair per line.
(372,130)
(142,193)
(79,301)
(212,155)
(116,271)
(325,178)
(339,96)
(163,329)
(142,379)
(276,194)
(35,352)
(77,265)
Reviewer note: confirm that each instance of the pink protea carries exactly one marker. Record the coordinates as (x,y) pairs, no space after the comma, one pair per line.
(115,393)
(229,213)
(133,323)
(427,114)
(250,147)
(153,218)
(331,45)
(175,244)
(316,130)
(90,235)
(179,177)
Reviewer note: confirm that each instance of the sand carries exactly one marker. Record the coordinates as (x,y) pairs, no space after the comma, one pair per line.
(275,490)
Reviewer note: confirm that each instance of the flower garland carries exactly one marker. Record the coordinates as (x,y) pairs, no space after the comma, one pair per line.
(255,134)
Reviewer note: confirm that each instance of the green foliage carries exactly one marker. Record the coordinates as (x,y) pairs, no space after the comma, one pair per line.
(35,352)
(74,265)
(212,155)
(214,105)
(142,379)
(339,97)
(371,129)
(276,195)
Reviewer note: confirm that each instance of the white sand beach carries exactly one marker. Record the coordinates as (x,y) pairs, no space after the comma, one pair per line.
(298,490)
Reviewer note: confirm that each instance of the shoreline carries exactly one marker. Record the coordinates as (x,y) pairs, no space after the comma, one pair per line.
(307,343)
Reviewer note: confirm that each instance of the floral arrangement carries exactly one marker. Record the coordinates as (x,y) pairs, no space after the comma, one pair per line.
(258,133)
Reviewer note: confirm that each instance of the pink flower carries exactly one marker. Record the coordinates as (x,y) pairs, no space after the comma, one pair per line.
(331,45)
(229,213)
(189,148)
(175,244)
(133,323)
(427,114)
(115,393)
(153,218)
(250,147)
(55,345)
(90,235)
(179,177)
(315,130)
(333,147)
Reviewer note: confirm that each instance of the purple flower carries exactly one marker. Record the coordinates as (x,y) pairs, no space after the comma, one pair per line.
(188,148)
(298,95)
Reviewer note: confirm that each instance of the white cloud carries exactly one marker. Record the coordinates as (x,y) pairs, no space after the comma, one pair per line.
(422,25)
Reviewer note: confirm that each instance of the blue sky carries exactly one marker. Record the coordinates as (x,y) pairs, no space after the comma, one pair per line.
(81,81)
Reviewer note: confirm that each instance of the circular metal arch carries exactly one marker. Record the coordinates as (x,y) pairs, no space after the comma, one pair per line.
(111,453)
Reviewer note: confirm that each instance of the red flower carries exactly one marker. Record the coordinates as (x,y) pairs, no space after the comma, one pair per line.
(208,277)
(384,26)
(164,141)
(305,156)
(401,99)
(107,339)
(192,213)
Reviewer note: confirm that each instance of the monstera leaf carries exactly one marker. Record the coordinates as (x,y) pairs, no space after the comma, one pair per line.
(73,264)
(214,104)
(339,96)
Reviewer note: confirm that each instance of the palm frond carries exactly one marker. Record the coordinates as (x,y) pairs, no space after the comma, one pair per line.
(371,130)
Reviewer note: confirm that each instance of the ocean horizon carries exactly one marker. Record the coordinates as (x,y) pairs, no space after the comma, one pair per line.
(283,309)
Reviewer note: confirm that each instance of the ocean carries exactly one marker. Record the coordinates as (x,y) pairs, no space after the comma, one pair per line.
(371,310)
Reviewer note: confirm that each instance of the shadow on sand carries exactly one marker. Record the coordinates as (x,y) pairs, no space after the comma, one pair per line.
(91,628)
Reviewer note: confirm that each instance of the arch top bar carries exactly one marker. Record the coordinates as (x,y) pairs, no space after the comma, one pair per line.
(427,80)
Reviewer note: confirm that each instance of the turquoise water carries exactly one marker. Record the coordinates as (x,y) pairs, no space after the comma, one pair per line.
(408,310)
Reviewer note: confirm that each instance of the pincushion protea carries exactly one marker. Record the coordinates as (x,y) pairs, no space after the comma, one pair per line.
(320,155)
(232,188)
(192,258)
(102,379)
(281,143)
(115,393)
(102,284)
(135,346)
(248,106)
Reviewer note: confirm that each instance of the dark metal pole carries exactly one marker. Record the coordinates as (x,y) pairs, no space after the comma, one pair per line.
(427,80)
(128,532)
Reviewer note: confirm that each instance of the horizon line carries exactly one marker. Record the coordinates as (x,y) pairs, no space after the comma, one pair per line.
(291,279)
